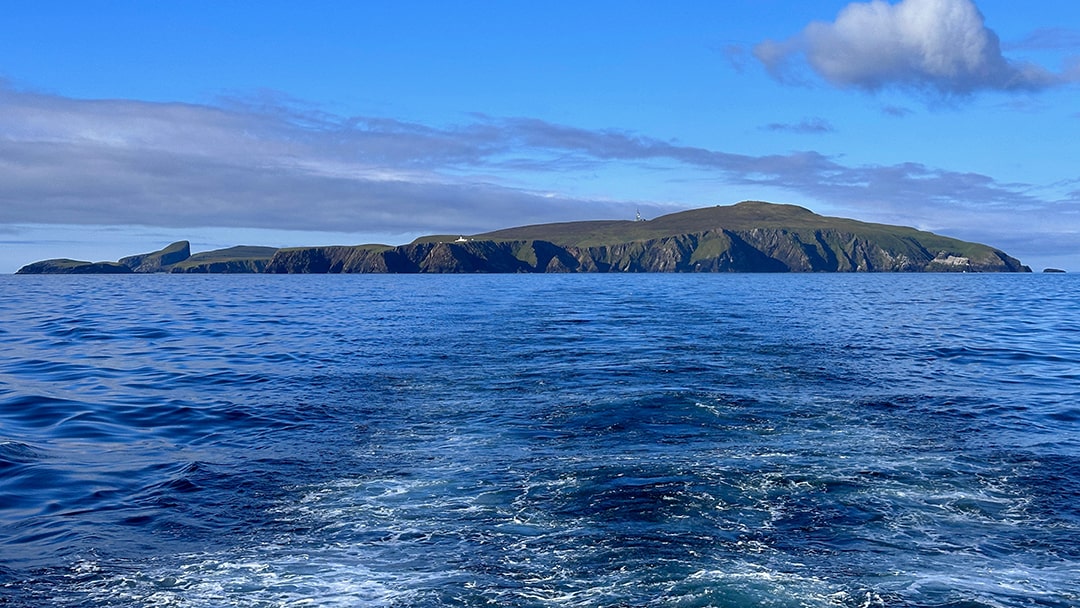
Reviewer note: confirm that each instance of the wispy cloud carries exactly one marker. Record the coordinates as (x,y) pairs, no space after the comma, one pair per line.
(896,111)
(941,47)
(265,165)
(270,163)
(1050,38)
(806,126)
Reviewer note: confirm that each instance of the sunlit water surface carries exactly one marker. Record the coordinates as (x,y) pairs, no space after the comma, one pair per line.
(634,440)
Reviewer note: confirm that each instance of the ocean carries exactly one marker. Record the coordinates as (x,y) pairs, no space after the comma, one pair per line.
(659,440)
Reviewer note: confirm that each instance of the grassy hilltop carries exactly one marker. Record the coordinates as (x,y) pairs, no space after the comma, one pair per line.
(741,217)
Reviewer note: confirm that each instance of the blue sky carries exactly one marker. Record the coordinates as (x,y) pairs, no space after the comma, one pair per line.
(127,125)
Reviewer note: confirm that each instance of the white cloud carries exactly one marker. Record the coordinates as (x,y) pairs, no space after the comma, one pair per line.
(940,46)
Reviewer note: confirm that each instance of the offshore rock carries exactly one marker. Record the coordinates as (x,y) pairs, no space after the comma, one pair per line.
(66,266)
(159,261)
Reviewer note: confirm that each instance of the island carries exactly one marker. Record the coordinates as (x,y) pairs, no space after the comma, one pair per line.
(751,236)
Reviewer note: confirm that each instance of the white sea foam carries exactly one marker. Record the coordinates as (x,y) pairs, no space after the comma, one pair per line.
(273,577)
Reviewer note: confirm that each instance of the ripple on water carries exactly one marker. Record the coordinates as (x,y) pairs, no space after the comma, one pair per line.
(803,442)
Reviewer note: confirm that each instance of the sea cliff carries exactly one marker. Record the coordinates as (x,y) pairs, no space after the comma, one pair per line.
(747,237)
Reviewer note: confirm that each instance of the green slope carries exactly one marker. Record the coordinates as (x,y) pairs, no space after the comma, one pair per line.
(242,258)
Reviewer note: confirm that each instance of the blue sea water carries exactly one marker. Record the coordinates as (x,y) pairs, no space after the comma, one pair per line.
(792,441)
